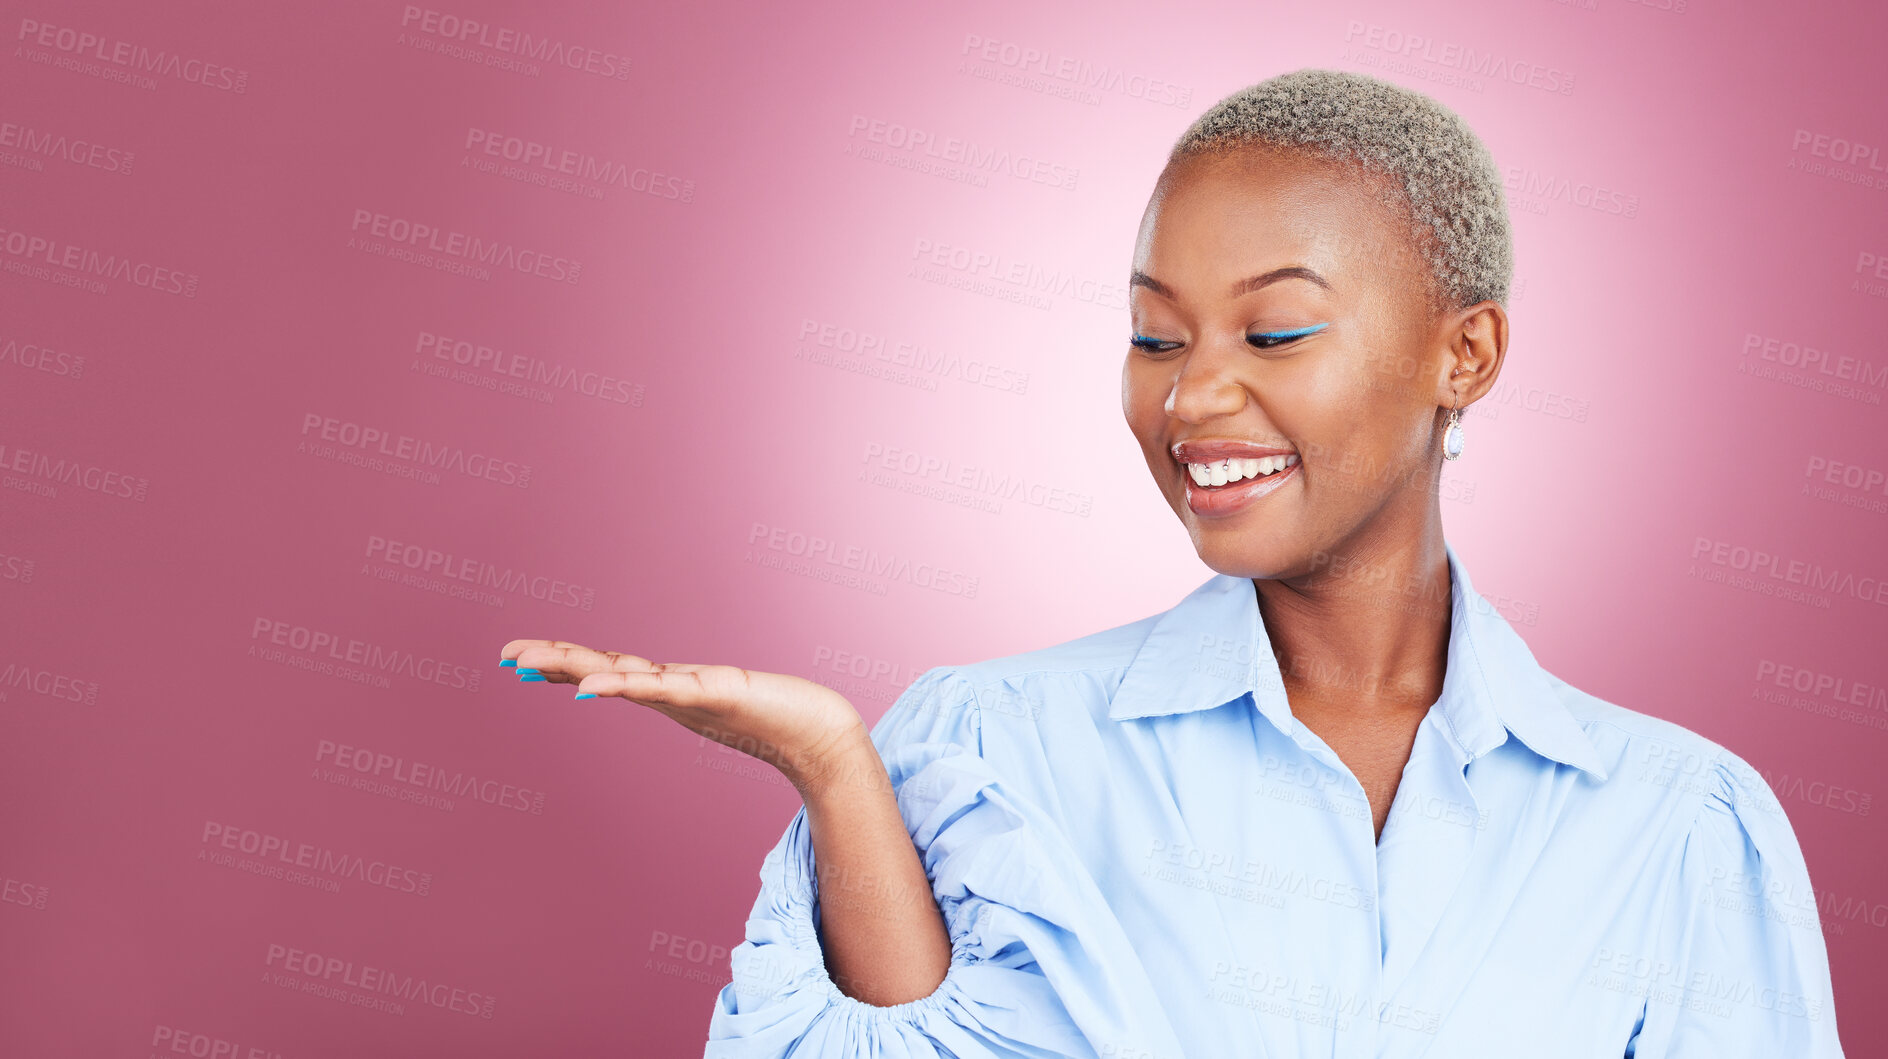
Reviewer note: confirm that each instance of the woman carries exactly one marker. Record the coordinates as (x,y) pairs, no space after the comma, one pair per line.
(1328,804)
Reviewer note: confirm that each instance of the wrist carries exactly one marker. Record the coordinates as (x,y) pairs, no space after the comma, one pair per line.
(848,763)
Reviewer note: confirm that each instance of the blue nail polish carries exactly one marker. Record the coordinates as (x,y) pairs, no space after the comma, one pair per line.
(508,661)
(526,670)
(528,679)
(586,694)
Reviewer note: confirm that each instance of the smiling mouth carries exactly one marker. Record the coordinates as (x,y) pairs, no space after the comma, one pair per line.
(1225,472)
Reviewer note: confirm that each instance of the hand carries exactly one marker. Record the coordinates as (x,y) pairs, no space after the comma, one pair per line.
(804,729)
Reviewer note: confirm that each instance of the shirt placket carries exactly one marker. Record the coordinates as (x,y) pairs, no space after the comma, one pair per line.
(1428,841)
(1360,1039)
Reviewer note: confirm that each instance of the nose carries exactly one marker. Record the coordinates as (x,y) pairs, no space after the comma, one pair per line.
(1209,384)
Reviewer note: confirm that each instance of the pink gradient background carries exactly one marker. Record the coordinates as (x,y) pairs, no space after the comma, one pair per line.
(601,924)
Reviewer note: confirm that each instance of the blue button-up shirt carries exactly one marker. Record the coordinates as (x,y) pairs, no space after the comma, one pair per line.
(1141,854)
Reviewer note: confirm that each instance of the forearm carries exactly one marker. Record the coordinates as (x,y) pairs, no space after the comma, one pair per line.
(882,935)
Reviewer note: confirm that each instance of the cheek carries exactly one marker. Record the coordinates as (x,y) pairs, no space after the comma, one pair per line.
(1144,406)
(1396,397)
(1315,399)
(1143,396)
(1340,414)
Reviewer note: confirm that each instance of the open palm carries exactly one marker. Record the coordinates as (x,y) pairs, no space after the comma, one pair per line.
(793,724)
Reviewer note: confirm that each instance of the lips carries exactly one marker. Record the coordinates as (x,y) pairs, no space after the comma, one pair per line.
(1215,501)
(1210,450)
(1232,496)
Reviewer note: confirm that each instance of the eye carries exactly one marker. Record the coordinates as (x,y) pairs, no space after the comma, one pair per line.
(1150,346)
(1274,339)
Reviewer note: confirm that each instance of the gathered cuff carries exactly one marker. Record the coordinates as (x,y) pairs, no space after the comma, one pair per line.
(1039,965)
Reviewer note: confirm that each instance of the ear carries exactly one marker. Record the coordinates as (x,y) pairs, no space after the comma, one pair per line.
(1476,340)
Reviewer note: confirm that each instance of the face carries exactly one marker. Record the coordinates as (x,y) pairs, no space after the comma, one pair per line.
(1330,375)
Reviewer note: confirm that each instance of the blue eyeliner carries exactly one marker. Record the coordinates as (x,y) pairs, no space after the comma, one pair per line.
(1296,333)
(1268,336)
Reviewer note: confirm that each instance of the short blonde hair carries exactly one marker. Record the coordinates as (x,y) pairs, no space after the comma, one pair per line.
(1450,184)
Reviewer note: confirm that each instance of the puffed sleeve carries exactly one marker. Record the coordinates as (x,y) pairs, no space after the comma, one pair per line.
(1740,969)
(1039,965)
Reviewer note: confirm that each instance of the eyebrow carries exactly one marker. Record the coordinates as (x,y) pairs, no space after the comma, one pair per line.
(1244,286)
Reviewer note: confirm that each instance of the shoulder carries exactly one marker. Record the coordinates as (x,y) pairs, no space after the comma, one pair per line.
(1057,683)
(1661,769)
(1630,741)
(1071,669)
(1014,708)
(1027,720)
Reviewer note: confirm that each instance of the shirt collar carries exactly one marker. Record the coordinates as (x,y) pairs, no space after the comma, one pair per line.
(1211,648)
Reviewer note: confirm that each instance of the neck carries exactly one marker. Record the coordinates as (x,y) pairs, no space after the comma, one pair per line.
(1369,628)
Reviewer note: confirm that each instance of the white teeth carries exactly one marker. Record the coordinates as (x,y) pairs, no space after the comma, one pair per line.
(1221,472)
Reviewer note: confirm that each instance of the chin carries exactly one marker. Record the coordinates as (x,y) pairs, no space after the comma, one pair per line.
(1245,552)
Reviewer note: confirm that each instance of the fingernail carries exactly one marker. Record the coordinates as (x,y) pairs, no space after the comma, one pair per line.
(527,671)
(586,694)
(528,679)
(508,661)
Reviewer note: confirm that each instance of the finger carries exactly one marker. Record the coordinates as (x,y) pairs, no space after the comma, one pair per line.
(514,648)
(537,660)
(529,655)
(509,655)
(670,684)
(565,663)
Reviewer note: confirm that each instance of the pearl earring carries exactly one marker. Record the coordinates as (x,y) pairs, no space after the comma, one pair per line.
(1452,436)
